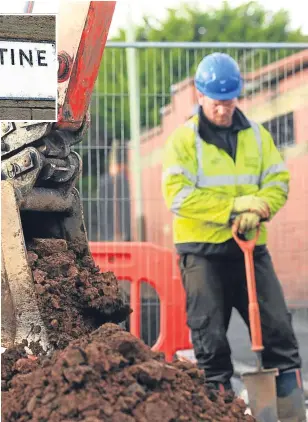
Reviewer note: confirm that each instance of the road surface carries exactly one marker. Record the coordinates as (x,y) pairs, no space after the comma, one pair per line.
(240,345)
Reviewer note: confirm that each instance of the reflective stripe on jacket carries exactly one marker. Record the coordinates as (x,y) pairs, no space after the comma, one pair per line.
(200,181)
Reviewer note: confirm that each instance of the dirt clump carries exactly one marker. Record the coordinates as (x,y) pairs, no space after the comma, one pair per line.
(112,376)
(8,359)
(74,298)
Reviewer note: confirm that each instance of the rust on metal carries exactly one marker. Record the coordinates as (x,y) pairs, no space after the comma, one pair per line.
(65,66)
(86,66)
(47,200)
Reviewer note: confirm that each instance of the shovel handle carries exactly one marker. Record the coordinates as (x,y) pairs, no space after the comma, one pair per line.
(247,246)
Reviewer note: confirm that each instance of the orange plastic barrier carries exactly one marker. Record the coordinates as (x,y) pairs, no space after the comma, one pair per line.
(146,262)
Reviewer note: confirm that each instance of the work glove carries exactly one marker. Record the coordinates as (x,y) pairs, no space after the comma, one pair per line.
(246,221)
(251,203)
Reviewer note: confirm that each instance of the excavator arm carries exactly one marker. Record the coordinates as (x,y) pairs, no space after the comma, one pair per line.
(39,168)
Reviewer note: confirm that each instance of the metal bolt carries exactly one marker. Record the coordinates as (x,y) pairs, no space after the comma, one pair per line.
(11,170)
(65,65)
(27,161)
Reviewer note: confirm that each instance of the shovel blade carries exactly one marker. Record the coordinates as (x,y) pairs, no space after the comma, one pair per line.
(262,396)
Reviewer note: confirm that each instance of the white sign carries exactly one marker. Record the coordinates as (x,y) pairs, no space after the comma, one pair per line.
(28,70)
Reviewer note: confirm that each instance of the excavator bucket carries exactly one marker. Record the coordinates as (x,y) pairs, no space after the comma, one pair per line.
(45,214)
(39,170)
(19,311)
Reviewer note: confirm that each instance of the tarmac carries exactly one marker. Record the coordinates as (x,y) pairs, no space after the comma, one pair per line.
(243,357)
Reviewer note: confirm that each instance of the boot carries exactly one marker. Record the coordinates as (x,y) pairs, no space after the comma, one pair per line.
(290,396)
(213,388)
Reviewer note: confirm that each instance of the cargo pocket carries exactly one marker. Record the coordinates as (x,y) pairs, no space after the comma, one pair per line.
(186,261)
(198,323)
(192,272)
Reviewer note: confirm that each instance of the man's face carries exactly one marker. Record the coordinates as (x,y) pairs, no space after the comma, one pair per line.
(218,112)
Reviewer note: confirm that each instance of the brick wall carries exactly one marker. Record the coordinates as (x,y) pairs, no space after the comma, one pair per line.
(36,28)
(288,232)
(27,110)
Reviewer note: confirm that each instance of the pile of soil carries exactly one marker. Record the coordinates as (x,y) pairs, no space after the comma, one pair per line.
(112,376)
(97,372)
(74,298)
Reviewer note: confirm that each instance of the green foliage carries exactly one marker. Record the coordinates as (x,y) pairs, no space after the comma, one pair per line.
(159,69)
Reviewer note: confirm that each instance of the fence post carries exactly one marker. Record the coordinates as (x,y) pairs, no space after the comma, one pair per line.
(134,109)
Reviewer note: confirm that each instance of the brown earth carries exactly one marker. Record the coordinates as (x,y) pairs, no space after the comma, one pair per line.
(74,298)
(98,374)
(8,360)
(112,376)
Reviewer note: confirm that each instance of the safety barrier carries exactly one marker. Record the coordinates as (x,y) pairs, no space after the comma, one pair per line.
(145,262)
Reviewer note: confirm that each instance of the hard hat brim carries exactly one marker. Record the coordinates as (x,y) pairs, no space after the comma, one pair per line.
(224,96)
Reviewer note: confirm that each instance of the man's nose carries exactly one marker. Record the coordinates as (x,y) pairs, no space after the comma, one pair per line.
(222,110)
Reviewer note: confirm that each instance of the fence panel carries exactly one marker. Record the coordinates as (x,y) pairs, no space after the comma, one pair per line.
(275,94)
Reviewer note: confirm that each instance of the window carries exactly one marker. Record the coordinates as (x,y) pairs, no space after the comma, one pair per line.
(282,129)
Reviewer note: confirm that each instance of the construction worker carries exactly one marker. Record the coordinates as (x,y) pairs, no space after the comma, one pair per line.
(219,168)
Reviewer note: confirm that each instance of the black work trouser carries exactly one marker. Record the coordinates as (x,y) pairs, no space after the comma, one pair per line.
(213,287)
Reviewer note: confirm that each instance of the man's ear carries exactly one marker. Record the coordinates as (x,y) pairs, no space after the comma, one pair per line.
(199,97)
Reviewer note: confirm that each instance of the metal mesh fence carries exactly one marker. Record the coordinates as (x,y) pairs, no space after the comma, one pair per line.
(275,94)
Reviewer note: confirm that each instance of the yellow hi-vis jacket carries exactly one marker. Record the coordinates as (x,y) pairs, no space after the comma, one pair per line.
(200,181)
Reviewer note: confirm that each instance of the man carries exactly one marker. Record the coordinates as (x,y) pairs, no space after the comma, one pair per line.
(220,168)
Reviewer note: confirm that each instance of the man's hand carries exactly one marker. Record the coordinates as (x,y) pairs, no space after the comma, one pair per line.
(250,203)
(246,222)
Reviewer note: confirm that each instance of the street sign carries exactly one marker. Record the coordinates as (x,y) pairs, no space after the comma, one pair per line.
(28,70)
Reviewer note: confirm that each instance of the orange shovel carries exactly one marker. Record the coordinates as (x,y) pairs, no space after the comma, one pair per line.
(260,384)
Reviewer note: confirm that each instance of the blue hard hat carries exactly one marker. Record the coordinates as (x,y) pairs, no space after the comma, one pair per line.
(218,77)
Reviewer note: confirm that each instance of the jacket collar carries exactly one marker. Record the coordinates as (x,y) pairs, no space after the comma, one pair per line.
(239,121)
